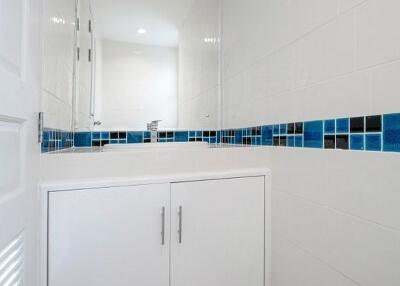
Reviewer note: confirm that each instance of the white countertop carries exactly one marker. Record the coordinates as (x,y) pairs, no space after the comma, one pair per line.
(89,183)
(71,171)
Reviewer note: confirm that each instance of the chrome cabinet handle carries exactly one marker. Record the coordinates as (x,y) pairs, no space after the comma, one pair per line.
(163,226)
(180,224)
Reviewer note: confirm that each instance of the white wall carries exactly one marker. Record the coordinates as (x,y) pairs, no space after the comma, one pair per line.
(139,84)
(199,88)
(335,214)
(57,80)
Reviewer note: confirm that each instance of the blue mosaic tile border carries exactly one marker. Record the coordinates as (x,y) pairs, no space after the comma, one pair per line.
(95,139)
(364,133)
(55,140)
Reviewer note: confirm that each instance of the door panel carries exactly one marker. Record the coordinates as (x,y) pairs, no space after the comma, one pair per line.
(111,236)
(20,69)
(222,239)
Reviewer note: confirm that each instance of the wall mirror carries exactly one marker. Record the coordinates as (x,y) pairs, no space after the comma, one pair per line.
(145,60)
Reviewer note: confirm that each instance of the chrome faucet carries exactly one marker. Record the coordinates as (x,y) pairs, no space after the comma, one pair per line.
(153,128)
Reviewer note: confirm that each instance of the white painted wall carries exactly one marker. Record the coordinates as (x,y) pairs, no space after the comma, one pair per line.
(199,88)
(335,214)
(57,80)
(139,84)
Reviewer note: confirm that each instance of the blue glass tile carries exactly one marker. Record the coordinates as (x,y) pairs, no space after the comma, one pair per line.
(192,133)
(181,136)
(135,137)
(199,133)
(147,135)
(96,135)
(373,142)
(213,140)
(290,141)
(357,142)
(105,135)
(298,141)
(342,125)
(266,132)
(330,126)
(218,136)
(238,136)
(391,132)
(276,129)
(313,134)
(83,139)
(123,141)
(283,129)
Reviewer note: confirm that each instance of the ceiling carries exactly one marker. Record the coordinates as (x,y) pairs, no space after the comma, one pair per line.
(120,20)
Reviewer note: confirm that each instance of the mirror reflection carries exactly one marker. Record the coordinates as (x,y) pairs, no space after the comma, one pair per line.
(144,62)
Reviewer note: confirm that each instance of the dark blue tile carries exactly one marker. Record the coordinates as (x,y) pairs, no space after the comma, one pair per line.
(313,134)
(266,132)
(342,125)
(290,141)
(283,129)
(373,142)
(298,141)
(391,132)
(276,129)
(147,135)
(238,136)
(114,141)
(105,135)
(83,139)
(135,137)
(357,142)
(96,135)
(330,126)
(181,136)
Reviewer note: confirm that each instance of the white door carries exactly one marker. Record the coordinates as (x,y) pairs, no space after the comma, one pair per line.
(114,236)
(20,70)
(217,233)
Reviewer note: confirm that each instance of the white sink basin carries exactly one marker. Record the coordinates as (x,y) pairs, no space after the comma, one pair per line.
(149,146)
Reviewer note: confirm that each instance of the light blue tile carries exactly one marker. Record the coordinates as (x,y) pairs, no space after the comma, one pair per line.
(373,142)
(290,141)
(283,129)
(330,126)
(391,132)
(135,137)
(266,132)
(298,141)
(357,142)
(342,125)
(276,129)
(313,134)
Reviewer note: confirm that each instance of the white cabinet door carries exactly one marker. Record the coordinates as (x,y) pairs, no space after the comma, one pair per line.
(222,233)
(110,236)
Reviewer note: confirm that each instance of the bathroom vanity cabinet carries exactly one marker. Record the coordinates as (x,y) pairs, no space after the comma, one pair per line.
(185,233)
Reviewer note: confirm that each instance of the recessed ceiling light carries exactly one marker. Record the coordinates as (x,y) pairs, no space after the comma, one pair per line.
(142,31)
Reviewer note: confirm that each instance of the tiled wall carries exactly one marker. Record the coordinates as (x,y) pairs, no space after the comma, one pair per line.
(95,139)
(362,133)
(199,67)
(335,214)
(58,59)
(56,140)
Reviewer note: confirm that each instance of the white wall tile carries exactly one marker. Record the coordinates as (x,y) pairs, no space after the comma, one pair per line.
(294,266)
(365,252)
(306,15)
(357,183)
(378,36)
(344,5)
